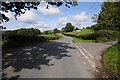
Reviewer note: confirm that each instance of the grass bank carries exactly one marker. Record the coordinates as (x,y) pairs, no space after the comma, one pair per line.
(111,61)
(50,37)
(88,35)
(81,40)
(75,35)
(81,32)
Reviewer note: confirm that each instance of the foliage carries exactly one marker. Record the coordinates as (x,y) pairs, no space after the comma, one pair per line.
(48,32)
(101,36)
(95,17)
(102,39)
(95,27)
(21,37)
(18,7)
(88,27)
(28,32)
(75,39)
(77,28)
(81,32)
(108,19)
(69,27)
(98,36)
(110,58)
(51,36)
(77,35)
(56,31)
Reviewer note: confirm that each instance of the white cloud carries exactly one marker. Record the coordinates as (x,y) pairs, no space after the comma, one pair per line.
(51,11)
(80,17)
(28,17)
(63,20)
(41,25)
(77,20)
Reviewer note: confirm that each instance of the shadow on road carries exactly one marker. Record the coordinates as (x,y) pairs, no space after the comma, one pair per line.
(34,56)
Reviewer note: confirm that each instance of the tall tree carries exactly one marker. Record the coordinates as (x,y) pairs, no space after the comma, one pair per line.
(56,30)
(109,18)
(69,27)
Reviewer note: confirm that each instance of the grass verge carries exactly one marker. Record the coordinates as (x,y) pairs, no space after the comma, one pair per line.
(81,40)
(82,32)
(51,37)
(111,61)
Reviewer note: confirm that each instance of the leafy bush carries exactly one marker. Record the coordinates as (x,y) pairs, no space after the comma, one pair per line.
(18,40)
(48,32)
(99,36)
(21,37)
(92,36)
(111,35)
(52,36)
(102,39)
(102,36)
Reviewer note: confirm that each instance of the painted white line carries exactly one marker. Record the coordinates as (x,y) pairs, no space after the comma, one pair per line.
(83,54)
(86,52)
(93,66)
(86,57)
(96,70)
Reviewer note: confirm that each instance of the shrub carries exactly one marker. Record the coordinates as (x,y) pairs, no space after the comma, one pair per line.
(102,39)
(21,37)
(101,35)
(53,37)
(89,36)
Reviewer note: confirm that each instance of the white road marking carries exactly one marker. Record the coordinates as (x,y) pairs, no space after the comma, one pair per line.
(86,57)
(83,54)
(86,52)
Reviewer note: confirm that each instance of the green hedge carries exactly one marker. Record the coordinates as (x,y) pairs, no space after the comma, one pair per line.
(99,36)
(53,37)
(18,40)
(21,37)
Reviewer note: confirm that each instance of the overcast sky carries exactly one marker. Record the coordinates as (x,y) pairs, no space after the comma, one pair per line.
(55,17)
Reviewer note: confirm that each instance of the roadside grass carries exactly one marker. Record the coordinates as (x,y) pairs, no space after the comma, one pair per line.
(111,61)
(81,40)
(51,37)
(48,35)
(82,32)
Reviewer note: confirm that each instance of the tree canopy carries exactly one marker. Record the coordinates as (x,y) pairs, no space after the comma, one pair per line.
(109,18)
(69,27)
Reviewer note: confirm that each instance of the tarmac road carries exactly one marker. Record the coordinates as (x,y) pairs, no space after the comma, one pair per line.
(60,59)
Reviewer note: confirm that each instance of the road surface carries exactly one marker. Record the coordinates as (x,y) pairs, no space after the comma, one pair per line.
(60,59)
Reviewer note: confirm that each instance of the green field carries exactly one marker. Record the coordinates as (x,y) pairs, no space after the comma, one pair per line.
(48,35)
(52,36)
(110,58)
(82,32)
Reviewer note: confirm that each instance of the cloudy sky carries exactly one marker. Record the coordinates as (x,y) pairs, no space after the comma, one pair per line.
(54,17)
